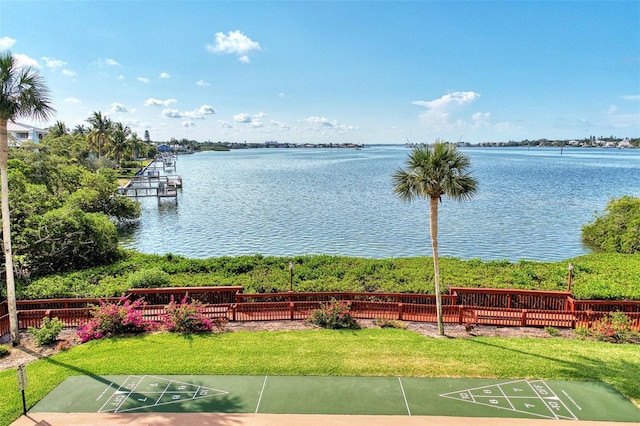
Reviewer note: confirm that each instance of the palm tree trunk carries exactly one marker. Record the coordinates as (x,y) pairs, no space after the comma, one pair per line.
(433,228)
(6,235)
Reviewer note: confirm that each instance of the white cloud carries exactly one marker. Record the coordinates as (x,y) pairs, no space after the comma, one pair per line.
(143,80)
(202,83)
(68,72)
(159,102)
(164,75)
(225,124)
(280,125)
(188,124)
(116,107)
(6,43)
(630,97)
(53,63)
(206,109)
(108,62)
(443,114)
(72,100)
(171,113)
(234,42)
(242,118)
(256,124)
(25,61)
(198,114)
(324,123)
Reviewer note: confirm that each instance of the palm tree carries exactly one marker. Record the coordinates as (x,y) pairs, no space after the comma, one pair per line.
(58,129)
(100,133)
(23,94)
(432,173)
(119,144)
(80,129)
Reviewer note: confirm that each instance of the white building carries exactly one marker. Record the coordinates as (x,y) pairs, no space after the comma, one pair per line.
(19,133)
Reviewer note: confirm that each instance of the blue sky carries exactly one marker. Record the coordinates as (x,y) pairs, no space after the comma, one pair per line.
(342,71)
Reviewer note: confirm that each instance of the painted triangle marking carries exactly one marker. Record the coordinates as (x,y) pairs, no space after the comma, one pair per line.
(140,392)
(534,398)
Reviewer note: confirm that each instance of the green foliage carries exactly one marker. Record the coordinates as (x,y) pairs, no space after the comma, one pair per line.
(4,351)
(68,239)
(334,315)
(552,331)
(618,230)
(48,332)
(148,278)
(595,276)
(387,323)
(615,327)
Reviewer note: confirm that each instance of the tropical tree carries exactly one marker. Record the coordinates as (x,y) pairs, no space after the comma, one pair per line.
(430,174)
(101,131)
(80,129)
(23,94)
(120,143)
(58,129)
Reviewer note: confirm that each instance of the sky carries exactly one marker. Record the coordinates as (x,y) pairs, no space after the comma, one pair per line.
(371,72)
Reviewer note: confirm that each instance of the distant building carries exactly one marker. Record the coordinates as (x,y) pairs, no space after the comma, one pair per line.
(19,133)
(163,148)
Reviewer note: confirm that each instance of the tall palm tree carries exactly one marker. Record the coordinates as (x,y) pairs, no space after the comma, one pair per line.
(100,132)
(23,93)
(432,173)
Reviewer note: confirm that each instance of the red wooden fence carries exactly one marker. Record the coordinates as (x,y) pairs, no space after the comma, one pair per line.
(502,307)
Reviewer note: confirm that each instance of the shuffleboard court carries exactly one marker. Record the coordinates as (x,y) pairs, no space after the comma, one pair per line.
(378,396)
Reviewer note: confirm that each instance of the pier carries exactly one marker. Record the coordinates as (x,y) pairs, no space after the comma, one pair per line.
(150,183)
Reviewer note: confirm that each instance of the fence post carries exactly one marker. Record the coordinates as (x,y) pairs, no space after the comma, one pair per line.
(400,313)
(523,323)
(291,310)
(460,313)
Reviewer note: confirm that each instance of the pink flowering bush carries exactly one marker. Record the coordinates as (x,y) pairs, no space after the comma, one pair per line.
(334,315)
(185,317)
(109,319)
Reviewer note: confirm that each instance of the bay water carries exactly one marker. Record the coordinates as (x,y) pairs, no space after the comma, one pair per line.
(531,204)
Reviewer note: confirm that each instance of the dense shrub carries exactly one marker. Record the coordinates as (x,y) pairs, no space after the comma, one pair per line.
(48,332)
(4,350)
(109,319)
(618,230)
(334,315)
(148,278)
(615,327)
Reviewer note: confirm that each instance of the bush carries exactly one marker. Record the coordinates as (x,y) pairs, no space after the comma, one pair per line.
(387,323)
(186,317)
(619,229)
(148,278)
(4,351)
(614,327)
(552,331)
(110,319)
(334,315)
(48,332)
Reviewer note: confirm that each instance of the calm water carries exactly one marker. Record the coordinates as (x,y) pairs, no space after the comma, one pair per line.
(531,204)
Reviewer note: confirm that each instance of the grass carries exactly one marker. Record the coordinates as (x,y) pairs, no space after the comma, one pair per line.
(368,352)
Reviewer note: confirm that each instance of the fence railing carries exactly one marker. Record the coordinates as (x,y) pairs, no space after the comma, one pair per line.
(500,307)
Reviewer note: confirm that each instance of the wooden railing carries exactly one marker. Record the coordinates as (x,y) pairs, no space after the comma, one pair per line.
(501,307)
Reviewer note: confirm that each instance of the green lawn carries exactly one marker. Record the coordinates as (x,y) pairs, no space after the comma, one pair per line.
(368,352)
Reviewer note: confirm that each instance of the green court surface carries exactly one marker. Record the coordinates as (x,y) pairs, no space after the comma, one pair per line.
(534,399)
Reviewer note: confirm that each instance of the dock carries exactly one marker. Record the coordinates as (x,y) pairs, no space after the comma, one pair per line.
(150,183)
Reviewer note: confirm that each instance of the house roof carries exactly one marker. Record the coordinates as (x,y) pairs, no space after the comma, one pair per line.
(20,127)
